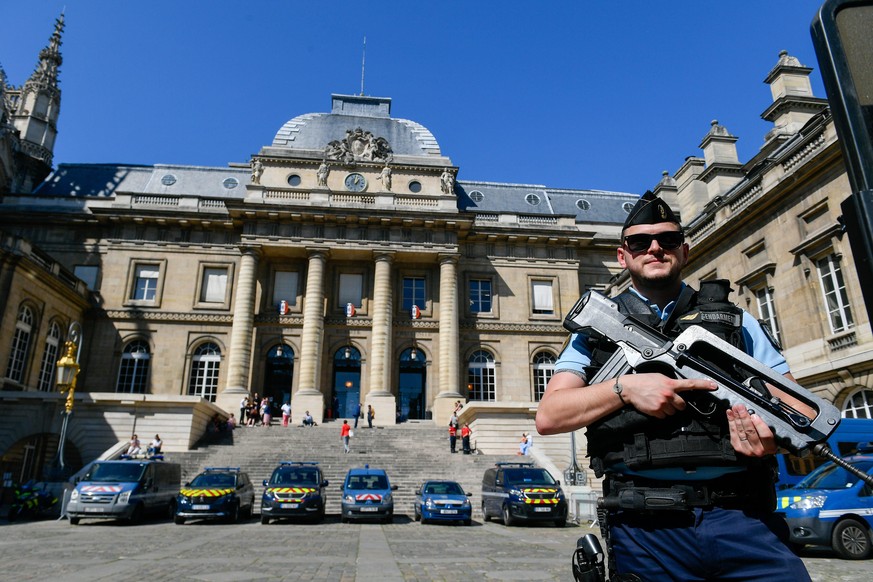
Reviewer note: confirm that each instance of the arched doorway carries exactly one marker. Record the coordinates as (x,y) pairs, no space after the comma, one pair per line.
(279,373)
(36,457)
(411,391)
(346,393)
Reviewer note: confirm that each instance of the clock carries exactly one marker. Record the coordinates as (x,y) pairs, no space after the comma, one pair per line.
(355,182)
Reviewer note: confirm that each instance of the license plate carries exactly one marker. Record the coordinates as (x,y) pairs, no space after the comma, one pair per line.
(289,505)
(543,509)
(369,509)
(449,511)
(94,510)
(200,507)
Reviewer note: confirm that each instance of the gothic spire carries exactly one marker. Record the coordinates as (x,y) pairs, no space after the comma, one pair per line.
(46,73)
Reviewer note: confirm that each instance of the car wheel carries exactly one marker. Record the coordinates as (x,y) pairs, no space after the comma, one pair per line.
(560,522)
(171,510)
(468,522)
(389,519)
(265,520)
(179,520)
(485,514)
(508,520)
(850,540)
(74,521)
(344,519)
(136,516)
(233,516)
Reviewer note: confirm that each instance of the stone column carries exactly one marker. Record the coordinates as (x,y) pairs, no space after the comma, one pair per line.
(240,349)
(308,395)
(379,394)
(444,402)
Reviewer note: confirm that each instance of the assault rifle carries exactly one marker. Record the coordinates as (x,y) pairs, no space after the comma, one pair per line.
(697,353)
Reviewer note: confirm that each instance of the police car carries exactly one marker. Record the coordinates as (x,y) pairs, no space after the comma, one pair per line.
(367,495)
(518,492)
(216,493)
(295,489)
(440,500)
(832,507)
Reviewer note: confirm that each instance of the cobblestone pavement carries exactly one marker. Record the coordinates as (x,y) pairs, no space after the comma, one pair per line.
(357,552)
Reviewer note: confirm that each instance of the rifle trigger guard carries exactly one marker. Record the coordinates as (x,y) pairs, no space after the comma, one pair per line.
(651,353)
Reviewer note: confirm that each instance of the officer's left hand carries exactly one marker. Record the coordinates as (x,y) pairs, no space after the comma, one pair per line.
(750,435)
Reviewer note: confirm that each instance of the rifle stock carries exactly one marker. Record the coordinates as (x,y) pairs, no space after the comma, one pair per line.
(697,353)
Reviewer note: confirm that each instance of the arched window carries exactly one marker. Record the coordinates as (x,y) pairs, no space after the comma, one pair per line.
(20,345)
(49,358)
(134,370)
(859,404)
(543,368)
(481,382)
(205,366)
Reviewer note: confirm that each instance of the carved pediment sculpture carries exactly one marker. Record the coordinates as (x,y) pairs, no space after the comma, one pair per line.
(359,146)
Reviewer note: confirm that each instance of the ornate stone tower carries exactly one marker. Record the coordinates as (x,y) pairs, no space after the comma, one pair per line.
(29,129)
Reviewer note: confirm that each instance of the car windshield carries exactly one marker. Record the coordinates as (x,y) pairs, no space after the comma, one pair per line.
(295,477)
(447,488)
(115,472)
(367,482)
(214,480)
(528,477)
(830,476)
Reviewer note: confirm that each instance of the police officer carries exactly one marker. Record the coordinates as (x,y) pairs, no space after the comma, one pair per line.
(661,442)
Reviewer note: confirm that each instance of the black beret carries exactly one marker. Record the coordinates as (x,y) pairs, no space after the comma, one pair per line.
(649,209)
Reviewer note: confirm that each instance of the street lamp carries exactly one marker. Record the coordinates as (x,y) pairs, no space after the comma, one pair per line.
(67,371)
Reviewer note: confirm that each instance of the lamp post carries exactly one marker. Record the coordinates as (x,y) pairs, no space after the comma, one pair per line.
(68,370)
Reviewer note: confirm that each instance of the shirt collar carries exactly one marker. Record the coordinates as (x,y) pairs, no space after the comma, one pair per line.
(668,309)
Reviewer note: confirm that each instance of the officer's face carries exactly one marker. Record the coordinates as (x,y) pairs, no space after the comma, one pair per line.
(653,254)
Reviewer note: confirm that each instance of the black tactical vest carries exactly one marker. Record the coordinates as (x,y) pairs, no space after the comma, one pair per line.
(696,436)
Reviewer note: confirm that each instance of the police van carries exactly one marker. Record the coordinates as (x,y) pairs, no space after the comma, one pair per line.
(832,507)
(127,489)
(517,492)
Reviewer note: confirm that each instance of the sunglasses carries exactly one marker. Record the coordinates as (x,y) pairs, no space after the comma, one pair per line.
(669,240)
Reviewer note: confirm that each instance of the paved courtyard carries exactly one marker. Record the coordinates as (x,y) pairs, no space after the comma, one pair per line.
(404,550)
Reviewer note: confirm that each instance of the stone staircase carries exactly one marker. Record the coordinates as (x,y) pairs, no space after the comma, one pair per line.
(411,452)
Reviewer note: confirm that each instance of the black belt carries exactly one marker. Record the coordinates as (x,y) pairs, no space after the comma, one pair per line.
(735,491)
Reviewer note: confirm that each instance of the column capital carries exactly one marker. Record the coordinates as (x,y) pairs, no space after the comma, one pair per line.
(384,256)
(253,251)
(322,252)
(450,258)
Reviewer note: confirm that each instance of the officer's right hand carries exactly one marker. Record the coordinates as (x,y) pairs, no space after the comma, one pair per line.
(659,395)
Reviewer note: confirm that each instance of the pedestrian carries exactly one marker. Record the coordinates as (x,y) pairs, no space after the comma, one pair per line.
(252,414)
(357,414)
(156,445)
(308,420)
(286,413)
(345,431)
(712,481)
(133,446)
(243,407)
(453,437)
(266,412)
(371,414)
(465,438)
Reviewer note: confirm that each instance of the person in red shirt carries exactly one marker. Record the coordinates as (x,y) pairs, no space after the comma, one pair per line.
(453,436)
(345,431)
(465,438)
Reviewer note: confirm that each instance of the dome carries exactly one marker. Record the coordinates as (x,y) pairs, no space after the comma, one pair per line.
(360,127)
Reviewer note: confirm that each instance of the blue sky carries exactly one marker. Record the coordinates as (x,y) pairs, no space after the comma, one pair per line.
(569,94)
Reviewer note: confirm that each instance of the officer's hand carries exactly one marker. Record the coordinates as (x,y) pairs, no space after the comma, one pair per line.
(659,395)
(750,435)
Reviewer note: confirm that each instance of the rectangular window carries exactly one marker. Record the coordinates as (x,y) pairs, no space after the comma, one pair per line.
(214,285)
(145,282)
(48,366)
(835,297)
(541,291)
(413,293)
(351,289)
(88,274)
(480,295)
(768,310)
(285,287)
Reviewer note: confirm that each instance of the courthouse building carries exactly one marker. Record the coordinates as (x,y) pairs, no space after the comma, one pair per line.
(352,260)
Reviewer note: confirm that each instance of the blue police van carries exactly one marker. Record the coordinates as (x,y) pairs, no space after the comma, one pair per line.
(843,442)
(832,507)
